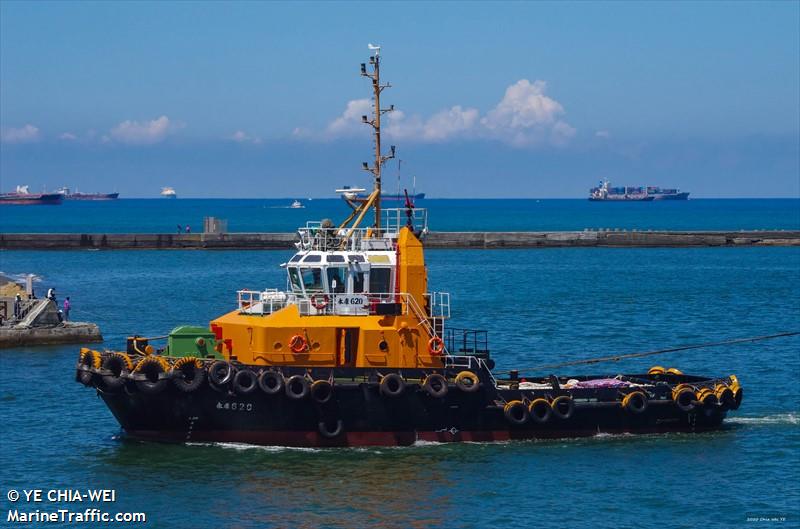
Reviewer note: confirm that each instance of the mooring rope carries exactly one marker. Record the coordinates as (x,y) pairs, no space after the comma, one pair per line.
(656,352)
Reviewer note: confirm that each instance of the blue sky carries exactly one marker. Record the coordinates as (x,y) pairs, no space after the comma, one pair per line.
(497,99)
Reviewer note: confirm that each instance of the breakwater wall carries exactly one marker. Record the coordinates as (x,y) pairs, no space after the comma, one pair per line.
(455,240)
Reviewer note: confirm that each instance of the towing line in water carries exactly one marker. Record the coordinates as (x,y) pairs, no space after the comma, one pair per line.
(616,358)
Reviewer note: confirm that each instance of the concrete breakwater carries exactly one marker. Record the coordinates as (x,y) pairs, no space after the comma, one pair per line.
(42,325)
(455,240)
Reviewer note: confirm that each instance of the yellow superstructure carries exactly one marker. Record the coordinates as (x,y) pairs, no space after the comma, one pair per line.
(315,326)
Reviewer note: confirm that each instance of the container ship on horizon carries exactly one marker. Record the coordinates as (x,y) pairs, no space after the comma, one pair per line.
(605,193)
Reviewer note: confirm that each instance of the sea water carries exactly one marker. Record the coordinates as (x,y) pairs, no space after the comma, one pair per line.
(275,215)
(540,307)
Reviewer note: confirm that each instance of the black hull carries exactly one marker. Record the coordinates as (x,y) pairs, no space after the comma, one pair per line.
(366,417)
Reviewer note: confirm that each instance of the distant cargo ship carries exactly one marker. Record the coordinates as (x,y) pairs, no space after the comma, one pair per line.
(358,193)
(604,192)
(395,196)
(22,197)
(168,192)
(667,194)
(77,195)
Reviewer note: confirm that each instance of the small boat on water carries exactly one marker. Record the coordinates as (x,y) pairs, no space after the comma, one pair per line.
(168,192)
(297,205)
(23,197)
(77,195)
(358,351)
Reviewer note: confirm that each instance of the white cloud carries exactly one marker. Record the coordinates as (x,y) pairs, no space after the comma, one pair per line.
(349,122)
(144,133)
(443,125)
(602,134)
(67,136)
(449,123)
(25,134)
(242,137)
(525,116)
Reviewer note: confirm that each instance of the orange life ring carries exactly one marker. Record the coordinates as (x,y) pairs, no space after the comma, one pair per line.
(319,305)
(435,346)
(297,343)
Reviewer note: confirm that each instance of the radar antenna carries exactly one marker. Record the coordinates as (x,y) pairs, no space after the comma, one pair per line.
(375,123)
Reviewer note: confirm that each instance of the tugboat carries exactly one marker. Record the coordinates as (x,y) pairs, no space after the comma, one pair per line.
(357,352)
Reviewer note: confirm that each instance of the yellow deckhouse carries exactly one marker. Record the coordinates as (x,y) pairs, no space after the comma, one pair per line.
(355,298)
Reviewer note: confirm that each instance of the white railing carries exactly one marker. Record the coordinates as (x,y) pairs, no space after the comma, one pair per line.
(395,219)
(313,236)
(471,363)
(439,304)
(263,302)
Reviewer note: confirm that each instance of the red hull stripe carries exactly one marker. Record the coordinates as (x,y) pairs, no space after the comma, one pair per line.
(314,439)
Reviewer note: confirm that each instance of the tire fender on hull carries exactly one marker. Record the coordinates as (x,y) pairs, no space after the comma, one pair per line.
(435,385)
(188,374)
(330,429)
(271,382)
(119,366)
(392,385)
(563,407)
(297,387)
(245,382)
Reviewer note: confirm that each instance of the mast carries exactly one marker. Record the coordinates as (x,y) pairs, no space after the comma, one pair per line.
(375,122)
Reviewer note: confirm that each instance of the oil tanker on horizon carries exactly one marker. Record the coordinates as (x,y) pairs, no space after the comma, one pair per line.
(77,195)
(23,197)
(357,350)
(605,193)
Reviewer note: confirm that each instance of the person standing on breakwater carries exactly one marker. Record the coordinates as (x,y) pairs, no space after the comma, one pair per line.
(188,229)
(67,306)
(51,295)
(17,306)
(180,228)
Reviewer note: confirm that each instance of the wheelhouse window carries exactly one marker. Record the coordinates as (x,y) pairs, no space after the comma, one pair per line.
(358,282)
(312,279)
(380,280)
(337,279)
(295,258)
(294,279)
(313,258)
